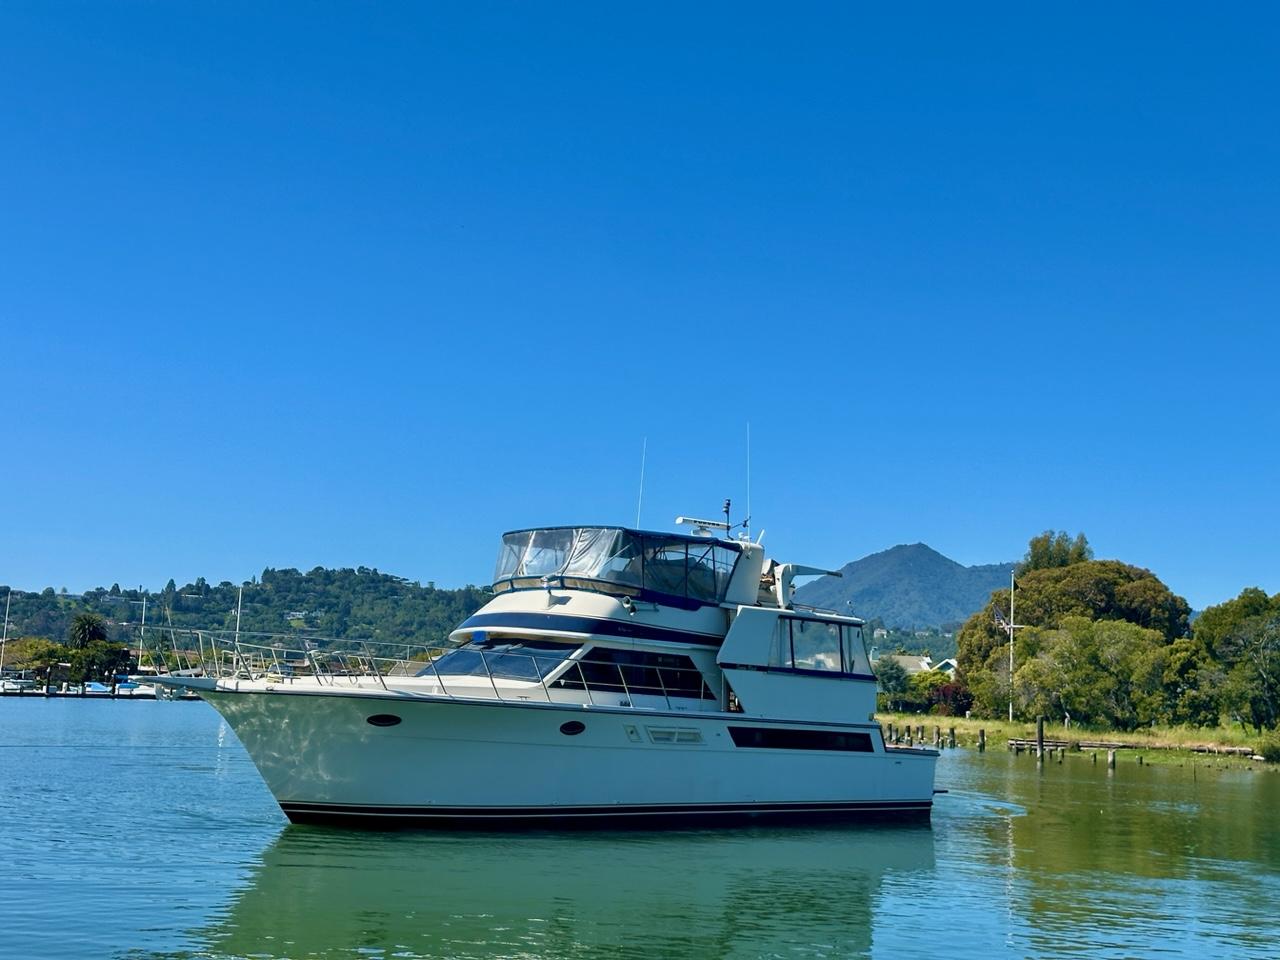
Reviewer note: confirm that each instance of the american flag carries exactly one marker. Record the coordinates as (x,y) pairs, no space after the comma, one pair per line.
(1001,620)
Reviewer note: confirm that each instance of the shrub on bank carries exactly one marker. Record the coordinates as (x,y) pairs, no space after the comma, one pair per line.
(1269,746)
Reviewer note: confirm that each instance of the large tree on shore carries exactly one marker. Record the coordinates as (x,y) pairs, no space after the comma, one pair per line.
(1055,550)
(1059,583)
(86,630)
(1240,641)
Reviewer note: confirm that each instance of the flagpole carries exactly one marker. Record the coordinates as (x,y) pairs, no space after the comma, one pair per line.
(1012,621)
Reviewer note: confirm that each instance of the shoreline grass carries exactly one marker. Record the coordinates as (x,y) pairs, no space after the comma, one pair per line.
(1166,744)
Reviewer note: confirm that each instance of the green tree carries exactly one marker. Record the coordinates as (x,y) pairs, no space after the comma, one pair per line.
(892,675)
(924,686)
(1095,590)
(1051,549)
(1104,671)
(1217,622)
(86,629)
(98,661)
(1252,688)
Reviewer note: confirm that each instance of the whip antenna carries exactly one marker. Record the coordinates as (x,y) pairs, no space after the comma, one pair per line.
(644,450)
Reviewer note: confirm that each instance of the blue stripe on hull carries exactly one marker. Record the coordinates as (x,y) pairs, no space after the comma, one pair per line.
(596,625)
(619,816)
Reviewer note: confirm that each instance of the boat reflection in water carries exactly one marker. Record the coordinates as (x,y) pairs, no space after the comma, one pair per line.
(764,891)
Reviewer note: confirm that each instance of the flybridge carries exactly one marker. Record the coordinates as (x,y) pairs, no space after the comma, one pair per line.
(618,560)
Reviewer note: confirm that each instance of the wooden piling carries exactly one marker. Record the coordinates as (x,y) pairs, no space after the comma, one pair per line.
(1040,738)
(937,736)
(951,737)
(1111,759)
(982,741)
(1095,756)
(1139,759)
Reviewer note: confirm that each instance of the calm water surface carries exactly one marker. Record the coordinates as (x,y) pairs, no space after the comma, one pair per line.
(141,830)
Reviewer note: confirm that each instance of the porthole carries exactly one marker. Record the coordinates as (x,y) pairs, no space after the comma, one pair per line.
(384,720)
(572,728)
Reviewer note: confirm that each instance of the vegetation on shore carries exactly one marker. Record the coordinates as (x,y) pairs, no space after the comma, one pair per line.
(1179,742)
(1107,646)
(359,604)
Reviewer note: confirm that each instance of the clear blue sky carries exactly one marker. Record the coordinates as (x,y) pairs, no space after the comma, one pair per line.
(287,285)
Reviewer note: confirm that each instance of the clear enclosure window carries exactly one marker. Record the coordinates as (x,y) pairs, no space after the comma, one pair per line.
(672,566)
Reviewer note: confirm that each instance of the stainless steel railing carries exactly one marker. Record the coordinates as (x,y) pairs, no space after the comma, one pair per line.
(553,679)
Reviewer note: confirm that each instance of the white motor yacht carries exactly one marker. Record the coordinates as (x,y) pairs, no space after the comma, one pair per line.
(617,676)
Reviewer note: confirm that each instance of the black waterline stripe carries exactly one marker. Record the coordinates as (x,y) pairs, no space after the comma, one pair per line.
(615,810)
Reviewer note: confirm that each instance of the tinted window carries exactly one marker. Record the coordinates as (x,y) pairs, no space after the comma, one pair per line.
(511,660)
(710,567)
(771,738)
(637,672)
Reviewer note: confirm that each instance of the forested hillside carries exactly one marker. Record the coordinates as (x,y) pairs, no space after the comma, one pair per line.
(347,604)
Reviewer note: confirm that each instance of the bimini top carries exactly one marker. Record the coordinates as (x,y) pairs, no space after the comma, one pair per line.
(665,567)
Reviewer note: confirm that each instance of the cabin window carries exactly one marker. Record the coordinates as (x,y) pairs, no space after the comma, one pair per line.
(855,651)
(773,738)
(507,659)
(815,645)
(780,649)
(637,673)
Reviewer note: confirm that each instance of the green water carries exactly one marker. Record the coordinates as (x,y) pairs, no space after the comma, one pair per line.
(141,830)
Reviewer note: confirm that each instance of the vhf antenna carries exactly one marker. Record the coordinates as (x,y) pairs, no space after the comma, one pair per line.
(644,451)
(746,524)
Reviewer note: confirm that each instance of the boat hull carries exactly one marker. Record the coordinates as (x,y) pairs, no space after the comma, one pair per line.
(411,760)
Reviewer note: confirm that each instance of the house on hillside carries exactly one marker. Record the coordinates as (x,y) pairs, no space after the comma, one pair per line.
(947,666)
(912,663)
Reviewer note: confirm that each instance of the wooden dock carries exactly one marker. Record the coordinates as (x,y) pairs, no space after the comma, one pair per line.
(59,695)
(1019,744)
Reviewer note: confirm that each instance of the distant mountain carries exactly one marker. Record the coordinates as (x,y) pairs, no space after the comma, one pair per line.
(908,587)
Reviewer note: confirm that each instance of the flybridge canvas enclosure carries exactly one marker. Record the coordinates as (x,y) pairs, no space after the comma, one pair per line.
(617,560)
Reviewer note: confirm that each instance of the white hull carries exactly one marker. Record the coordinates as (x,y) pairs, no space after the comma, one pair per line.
(451,761)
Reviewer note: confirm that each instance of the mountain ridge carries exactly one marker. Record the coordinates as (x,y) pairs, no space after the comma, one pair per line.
(908,586)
